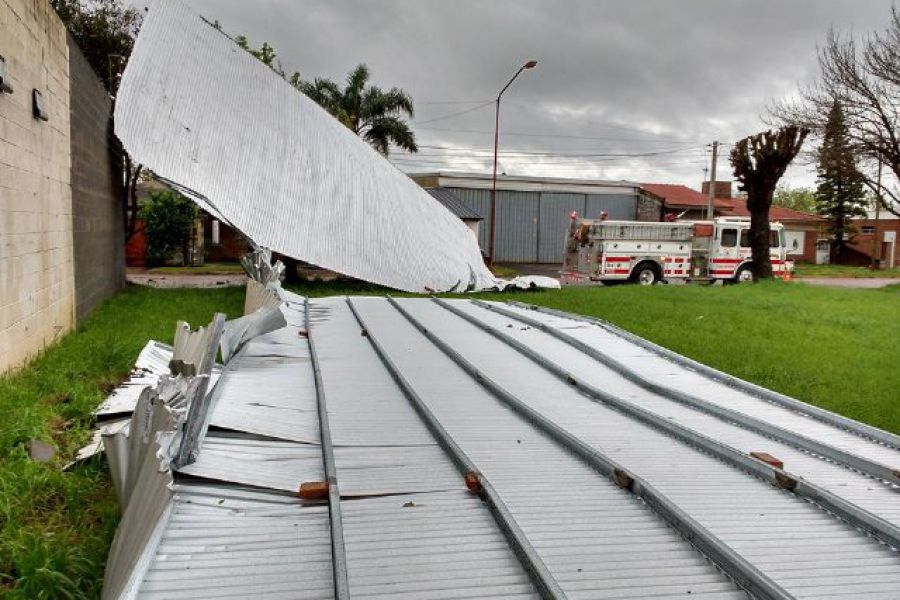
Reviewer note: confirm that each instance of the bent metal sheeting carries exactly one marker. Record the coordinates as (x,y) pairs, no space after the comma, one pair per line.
(199,111)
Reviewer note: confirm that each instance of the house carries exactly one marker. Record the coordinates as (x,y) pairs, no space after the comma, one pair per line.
(878,237)
(533,212)
(802,230)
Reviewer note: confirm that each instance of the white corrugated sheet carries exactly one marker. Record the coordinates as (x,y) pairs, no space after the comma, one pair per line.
(198,110)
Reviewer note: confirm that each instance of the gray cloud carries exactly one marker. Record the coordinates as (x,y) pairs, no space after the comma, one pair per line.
(613,77)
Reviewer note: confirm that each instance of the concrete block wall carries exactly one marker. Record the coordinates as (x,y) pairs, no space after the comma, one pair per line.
(37,291)
(97,190)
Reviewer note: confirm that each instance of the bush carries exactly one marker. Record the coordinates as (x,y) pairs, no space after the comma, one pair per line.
(169,219)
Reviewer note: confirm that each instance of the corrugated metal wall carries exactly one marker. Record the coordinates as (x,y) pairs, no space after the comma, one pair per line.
(531,226)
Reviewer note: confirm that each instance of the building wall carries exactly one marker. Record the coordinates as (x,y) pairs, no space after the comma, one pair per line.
(531,226)
(862,242)
(97,190)
(37,292)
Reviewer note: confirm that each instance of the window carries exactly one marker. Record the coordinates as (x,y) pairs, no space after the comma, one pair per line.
(729,238)
(868,229)
(774,238)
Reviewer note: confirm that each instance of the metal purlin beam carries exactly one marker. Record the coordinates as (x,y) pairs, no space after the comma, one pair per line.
(851,513)
(841,422)
(848,459)
(745,574)
(540,575)
(338,552)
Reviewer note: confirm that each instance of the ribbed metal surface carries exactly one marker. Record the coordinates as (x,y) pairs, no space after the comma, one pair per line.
(873,496)
(577,520)
(617,206)
(224,541)
(440,542)
(554,221)
(517,226)
(197,110)
(781,534)
(674,376)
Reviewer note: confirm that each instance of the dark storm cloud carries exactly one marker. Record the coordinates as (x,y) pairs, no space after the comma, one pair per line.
(614,77)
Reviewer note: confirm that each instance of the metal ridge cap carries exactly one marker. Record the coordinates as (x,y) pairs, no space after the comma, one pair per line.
(335,520)
(733,564)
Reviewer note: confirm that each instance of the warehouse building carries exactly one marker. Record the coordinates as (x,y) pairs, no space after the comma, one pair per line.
(533,212)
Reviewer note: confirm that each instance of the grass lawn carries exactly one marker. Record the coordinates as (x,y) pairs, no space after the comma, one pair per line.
(836,348)
(206,269)
(55,527)
(805,270)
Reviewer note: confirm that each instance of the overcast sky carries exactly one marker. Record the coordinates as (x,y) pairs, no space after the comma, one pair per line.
(613,77)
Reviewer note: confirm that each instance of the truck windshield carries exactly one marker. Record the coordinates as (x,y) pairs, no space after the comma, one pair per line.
(774,238)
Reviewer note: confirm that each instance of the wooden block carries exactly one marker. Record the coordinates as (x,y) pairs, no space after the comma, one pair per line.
(472,482)
(768,459)
(313,490)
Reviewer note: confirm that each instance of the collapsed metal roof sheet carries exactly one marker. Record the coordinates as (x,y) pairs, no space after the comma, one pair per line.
(204,114)
(601,466)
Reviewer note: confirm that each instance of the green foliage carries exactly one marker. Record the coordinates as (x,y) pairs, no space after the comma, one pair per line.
(169,219)
(105,32)
(376,115)
(802,199)
(55,526)
(840,194)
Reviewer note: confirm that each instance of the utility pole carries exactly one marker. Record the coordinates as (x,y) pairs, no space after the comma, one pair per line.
(712,182)
(528,65)
(876,247)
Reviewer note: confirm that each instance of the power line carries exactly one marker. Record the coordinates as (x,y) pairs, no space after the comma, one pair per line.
(551,135)
(454,114)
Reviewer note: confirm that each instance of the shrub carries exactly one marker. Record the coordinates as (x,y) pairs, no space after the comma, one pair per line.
(169,219)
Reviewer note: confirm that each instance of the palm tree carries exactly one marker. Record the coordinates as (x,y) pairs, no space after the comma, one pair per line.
(368,111)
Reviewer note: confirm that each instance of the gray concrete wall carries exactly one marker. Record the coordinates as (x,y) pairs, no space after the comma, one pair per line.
(97,190)
(37,291)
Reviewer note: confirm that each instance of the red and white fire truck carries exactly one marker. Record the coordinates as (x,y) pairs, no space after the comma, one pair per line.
(648,252)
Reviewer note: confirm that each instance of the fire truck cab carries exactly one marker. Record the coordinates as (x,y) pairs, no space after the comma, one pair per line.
(648,252)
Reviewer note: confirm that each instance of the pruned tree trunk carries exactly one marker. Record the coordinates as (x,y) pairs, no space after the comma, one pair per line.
(759,161)
(761,263)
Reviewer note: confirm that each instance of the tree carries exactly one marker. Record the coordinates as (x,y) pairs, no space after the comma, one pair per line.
(370,112)
(105,32)
(759,161)
(864,77)
(169,221)
(802,199)
(840,195)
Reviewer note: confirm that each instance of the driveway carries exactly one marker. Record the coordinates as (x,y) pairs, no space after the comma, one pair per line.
(186,281)
(850,282)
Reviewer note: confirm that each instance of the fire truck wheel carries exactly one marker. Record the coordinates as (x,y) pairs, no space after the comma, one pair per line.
(744,275)
(645,274)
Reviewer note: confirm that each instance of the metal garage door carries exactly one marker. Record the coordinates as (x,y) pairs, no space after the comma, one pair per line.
(555,210)
(517,226)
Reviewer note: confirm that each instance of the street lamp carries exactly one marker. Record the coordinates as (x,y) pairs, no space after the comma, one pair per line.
(529,65)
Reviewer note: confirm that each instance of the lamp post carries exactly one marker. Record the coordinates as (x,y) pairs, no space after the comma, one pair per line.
(529,65)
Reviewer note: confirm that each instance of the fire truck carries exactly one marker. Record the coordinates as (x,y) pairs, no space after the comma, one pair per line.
(647,252)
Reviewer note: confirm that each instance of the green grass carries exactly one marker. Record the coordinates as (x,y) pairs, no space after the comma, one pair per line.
(55,527)
(207,269)
(805,270)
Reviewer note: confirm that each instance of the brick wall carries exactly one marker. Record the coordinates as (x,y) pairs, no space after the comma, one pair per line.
(37,297)
(97,190)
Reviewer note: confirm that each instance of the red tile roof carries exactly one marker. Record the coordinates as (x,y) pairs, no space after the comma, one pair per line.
(737,207)
(681,196)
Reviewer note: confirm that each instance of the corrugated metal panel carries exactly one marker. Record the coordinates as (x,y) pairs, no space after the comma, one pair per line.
(554,223)
(224,541)
(197,110)
(619,206)
(452,203)
(598,541)
(517,227)
(794,542)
